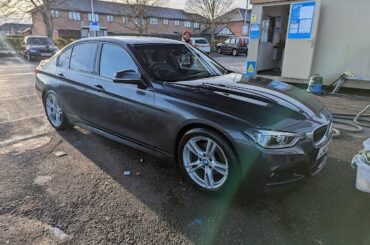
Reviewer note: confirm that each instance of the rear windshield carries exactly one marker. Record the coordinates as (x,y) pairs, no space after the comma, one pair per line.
(201,41)
(39,41)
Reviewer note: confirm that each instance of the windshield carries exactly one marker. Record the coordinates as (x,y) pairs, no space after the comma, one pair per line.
(39,41)
(177,62)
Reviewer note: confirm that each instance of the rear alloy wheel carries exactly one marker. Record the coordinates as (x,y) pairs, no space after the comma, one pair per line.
(54,111)
(206,160)
(235,52)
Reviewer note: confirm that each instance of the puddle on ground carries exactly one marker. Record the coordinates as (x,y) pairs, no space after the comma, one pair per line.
(24,146)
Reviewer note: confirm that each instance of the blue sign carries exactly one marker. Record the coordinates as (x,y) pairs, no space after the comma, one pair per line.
(94,26)
(251,69)
(301,20)
(255,31)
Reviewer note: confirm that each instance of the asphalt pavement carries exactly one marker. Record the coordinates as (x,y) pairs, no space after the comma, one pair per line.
(84,197)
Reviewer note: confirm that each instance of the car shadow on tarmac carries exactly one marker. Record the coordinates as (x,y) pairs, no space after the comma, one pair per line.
(297,214)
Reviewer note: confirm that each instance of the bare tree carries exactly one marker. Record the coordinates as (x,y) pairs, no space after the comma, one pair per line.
(212,11)
(22,10)
(137,13)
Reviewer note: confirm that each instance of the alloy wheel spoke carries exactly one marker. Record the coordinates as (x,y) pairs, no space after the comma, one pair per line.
(208,178)
(194,148)
(194,166)
(211,147)
(220,168)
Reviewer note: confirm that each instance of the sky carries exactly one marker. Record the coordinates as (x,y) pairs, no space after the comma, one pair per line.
(180,4)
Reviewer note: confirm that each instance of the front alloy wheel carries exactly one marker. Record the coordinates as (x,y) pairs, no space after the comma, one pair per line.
(206,159)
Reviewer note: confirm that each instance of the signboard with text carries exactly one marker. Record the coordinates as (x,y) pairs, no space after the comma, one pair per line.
(301,20)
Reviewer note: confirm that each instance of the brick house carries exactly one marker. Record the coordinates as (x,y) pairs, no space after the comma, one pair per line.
(13,28)
(69,16)
(234,20)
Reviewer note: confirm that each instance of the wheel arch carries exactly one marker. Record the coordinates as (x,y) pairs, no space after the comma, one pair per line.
(203,125)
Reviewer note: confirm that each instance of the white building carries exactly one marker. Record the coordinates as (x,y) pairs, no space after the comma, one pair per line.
(293,40)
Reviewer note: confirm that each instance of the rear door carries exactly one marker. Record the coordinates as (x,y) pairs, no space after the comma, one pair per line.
(125,109)
(76,70)
(301,39)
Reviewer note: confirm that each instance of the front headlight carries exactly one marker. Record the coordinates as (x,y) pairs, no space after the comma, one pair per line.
(275,139)
(32,51)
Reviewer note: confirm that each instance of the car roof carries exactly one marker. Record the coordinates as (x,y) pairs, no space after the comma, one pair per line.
(133,40)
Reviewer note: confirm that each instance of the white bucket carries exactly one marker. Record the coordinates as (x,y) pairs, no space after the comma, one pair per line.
(363,173)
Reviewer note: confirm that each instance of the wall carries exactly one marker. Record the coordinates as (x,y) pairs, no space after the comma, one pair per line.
(343,42)
(236,28)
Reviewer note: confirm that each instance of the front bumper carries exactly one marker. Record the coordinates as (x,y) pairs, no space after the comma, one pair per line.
(42,54)
(272,167)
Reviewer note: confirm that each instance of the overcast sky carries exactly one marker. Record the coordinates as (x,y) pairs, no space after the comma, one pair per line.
(180,4)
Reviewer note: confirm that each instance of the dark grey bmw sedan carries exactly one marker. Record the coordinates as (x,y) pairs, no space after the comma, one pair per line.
(171,100)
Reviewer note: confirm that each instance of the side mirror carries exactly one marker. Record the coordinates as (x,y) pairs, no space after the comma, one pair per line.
(129,77)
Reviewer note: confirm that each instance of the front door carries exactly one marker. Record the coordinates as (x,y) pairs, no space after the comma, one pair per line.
(124,109)
(301,39)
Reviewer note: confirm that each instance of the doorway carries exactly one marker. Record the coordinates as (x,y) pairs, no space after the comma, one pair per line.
(274,26)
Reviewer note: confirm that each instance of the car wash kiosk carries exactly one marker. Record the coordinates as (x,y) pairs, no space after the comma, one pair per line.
(293,40)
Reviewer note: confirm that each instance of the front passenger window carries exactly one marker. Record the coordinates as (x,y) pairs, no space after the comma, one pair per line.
(114,59)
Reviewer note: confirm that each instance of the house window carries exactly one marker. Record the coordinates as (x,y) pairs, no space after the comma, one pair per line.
(93,17)
(187,24)
(153,21)
(54,13)
(124,19)
(165,21)
(177,22)
(140,22)
(74,16)
(196,25)
(110,18)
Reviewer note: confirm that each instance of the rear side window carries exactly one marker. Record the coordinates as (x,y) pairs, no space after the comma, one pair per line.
(114,59)
(83,57)
(64,58)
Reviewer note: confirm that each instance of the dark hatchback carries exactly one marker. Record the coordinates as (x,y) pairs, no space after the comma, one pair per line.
(234,46)
(169,99)
(38,47)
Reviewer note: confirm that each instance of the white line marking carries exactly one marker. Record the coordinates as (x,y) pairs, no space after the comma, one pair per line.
(3,66)
(17,74)
(23,138)
(21,119)
(18,97)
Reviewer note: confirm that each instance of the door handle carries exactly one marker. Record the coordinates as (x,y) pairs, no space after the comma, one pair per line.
(61,74)
(99,88)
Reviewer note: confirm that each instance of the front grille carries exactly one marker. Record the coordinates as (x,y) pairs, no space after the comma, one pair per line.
(320,133)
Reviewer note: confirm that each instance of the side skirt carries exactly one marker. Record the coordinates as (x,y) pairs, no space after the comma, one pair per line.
(123,140)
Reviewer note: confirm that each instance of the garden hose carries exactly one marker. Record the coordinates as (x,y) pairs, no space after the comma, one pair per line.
(356,121)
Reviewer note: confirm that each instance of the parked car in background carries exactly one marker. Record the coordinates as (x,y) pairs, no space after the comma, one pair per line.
(201,44)
(169,99)
(234,46)
(38,47)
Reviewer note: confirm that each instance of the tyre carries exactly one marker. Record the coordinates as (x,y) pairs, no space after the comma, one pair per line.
(29,57)
(219,51)
(207,161)
(235,52)
(54,112)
